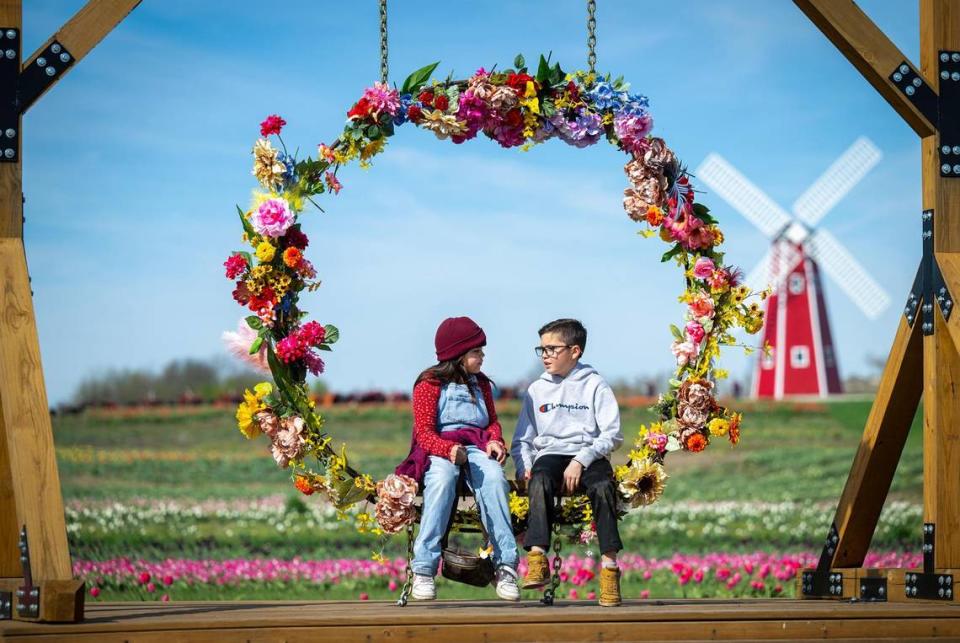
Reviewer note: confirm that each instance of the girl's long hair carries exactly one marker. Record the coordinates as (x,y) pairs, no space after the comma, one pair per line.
(448,371)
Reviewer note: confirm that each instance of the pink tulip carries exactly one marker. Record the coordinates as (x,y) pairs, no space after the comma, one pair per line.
(573,595)
(364,596)
(592,596)
(94,591)
(647,574)
(165,598)
(645,593)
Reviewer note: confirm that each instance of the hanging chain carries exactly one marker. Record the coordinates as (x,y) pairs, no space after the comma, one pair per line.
(592,35)
(383,41)
(407,585)
(550,593)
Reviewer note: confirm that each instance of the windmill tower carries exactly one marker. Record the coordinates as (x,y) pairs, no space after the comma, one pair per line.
(803,360)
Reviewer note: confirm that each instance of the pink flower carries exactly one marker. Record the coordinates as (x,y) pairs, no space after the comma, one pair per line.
(647,574)
(236,265)
(289,349)
(273,218)
(151,587)
(364,596)
(333,183)
(381,98)
(239,344)
(719,279)
(632,132)
(695,332)
(168,580)
(312,333)
(272,125)
(592,596)
(313,363)
(574,595)
(685,352)
(658,442)
(288,443)
(698,576)
(392,585)
(94,591)
(165,598)
(703,268)
(701,306)
(144,578)
(645,593)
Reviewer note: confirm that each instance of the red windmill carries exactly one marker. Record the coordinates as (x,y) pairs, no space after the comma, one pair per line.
(803,360)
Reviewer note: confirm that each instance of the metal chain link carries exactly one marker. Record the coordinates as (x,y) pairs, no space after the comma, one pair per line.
(550,593)
(405,592)
(383,41)
(592,35)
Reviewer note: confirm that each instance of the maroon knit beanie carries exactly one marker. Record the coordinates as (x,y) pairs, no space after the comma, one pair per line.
(456,336)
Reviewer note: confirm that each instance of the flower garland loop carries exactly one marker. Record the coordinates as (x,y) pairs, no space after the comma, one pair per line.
(515,109)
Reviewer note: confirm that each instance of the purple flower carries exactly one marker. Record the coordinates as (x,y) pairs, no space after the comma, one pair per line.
(632,131)
(585,130)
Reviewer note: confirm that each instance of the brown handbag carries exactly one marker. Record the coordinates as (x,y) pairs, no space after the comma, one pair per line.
(462,565)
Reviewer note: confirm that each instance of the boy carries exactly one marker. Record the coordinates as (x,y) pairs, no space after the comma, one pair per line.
(568,426)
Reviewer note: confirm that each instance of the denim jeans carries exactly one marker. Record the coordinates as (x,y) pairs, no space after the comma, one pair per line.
(439,493)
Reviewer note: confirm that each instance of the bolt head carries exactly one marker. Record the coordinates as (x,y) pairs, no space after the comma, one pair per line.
(955,76)
(56,48)
(50,71)
(41,62)
(904,69)
(10,133)
(945,74)
(945,168)
(897,76)
(880,590)
(944,149)
(940,592)
(944,57)
(910,90)
(10,54)
(917,82)
(956,149)
(955,57)
(64,57)
(11,34)
(9,153)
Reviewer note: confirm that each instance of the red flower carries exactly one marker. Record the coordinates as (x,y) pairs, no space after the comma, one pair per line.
(265,299)
(312,334)
(272,125)
(426,98)
(414,113)
(296,239)
(519,82)
(241,294)
(441,103)
(303,485)
(696,443)
(236,265)
(144,578)
(573,91)
(361,109)
(514,118)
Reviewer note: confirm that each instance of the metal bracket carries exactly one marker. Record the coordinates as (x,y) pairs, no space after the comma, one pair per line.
(820,583)
(873,589)
(949,114)
(929,532)
(918,92)
(916,292)
(28,595)
(937,587)
(6,606)
(41,73)
(9,111)
(829,547)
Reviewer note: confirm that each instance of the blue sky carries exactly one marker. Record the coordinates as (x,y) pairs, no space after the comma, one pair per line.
(134,162)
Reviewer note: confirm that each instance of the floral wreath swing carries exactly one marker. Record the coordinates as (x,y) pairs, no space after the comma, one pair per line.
(516,109)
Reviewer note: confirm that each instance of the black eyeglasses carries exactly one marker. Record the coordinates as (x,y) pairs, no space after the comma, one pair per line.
(551,351)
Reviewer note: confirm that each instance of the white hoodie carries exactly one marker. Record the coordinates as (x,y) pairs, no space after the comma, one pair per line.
(574,415)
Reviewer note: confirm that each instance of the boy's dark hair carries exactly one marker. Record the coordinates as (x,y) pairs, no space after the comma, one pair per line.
(571,330)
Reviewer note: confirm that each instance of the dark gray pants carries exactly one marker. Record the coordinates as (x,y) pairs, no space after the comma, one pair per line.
(546,483)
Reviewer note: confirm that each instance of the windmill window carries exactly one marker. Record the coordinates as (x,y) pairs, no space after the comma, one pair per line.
(799,357)
(796,284)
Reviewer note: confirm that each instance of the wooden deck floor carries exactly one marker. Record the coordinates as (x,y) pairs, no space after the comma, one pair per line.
(676,620)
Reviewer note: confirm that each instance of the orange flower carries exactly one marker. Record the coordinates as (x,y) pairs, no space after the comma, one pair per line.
(303,485)
(734,433)
(696,442)
(654,216)
(292,257)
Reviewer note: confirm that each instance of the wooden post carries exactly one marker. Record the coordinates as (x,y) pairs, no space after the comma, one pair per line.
(29,481)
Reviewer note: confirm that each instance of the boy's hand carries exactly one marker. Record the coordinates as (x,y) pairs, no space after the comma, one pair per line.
(571,477)
(496,451)
(458,454)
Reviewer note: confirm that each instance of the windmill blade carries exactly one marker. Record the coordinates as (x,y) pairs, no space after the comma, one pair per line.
(745,197)
(776,264)
(762,274)
(834,259)
(839,179)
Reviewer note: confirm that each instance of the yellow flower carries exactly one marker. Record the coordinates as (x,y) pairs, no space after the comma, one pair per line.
(250,406)
(644,484)
(519,507)
(263,389)
(718,427)
(265,251)
(266,167)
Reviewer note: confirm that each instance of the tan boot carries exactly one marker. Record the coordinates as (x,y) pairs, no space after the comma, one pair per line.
(609,586)
(538,571)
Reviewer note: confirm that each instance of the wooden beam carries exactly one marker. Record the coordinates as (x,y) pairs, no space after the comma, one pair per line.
(940,29)
(32,463)
(84,30)
(880,449)
(869,50)
(949,263)
(11,174)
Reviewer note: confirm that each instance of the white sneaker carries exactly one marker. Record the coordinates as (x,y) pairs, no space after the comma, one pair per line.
(424,589)
(507,588)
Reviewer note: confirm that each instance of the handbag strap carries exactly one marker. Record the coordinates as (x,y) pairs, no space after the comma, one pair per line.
(464,473)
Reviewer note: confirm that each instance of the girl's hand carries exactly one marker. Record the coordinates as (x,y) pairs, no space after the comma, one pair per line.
(496,451)
(458,454)
(571,477)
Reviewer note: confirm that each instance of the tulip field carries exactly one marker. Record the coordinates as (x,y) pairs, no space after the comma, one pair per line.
(175,505)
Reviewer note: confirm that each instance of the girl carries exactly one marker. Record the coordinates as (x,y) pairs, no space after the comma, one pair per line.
(455,423)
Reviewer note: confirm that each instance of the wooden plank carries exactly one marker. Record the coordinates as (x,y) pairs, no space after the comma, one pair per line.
(940,29)
(949,263)
(11,174)
(881,446)
(26,422)
(869,50)
(85,30)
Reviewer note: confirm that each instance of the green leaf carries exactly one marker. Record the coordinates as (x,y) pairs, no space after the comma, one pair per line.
(543,71)
(676,332)
(324,347)
(332,334)
(248,257)
(703,213)
(255,346)
(254,322)
(556,74)
(416,80)
(671,253)
(519,62)
(251,233)
(373,132)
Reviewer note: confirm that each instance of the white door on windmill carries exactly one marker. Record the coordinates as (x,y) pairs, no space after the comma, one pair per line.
(803,359)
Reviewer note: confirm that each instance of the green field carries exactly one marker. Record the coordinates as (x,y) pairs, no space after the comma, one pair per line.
(159,485)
